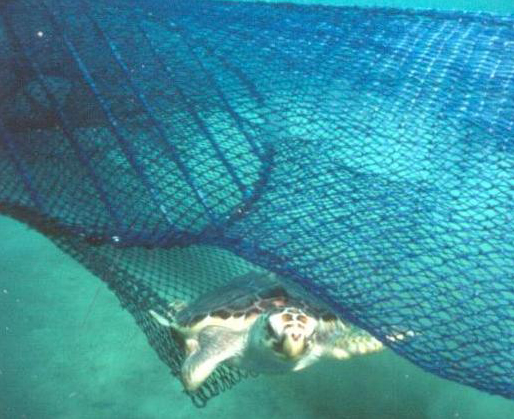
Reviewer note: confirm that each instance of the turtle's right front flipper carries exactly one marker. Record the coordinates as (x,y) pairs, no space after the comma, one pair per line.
(215,344)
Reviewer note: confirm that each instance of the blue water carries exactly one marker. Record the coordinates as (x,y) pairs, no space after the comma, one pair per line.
(67,349)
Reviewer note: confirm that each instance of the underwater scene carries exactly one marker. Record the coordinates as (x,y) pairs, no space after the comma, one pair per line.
(257,209)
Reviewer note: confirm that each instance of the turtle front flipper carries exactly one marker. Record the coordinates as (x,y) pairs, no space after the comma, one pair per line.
(215,344)
(355,343)
(351,341)
(344,341)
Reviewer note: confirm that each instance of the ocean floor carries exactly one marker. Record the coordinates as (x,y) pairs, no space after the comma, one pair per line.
(69,351)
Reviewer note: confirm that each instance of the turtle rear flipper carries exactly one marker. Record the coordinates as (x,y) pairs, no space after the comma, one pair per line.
(163,321)
(215,345)
(168,318)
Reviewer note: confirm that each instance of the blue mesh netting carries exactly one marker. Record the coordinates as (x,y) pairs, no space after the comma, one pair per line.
(366,154)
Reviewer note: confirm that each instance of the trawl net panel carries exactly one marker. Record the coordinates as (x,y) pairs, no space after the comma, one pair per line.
(365,154)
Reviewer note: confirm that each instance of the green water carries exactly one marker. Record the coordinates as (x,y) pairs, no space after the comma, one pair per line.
(67,349)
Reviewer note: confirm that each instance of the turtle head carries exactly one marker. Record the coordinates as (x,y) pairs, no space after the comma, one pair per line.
(289,332)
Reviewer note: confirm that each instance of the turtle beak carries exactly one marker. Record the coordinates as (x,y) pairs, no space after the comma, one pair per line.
(293,345)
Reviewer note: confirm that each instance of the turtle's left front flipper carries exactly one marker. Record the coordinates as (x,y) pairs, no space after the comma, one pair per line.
(348,340)
(339,340)
(352,341)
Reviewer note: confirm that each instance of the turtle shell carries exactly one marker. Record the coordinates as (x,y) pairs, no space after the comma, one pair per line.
(248,296)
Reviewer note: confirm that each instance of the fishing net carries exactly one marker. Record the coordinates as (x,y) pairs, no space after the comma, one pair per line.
(364,154)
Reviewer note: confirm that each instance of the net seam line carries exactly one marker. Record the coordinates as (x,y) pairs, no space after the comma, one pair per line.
(230,110)
(113,124)
(157,125)
(66,127)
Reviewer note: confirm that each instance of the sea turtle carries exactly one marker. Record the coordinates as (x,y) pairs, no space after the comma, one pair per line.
(258,324)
